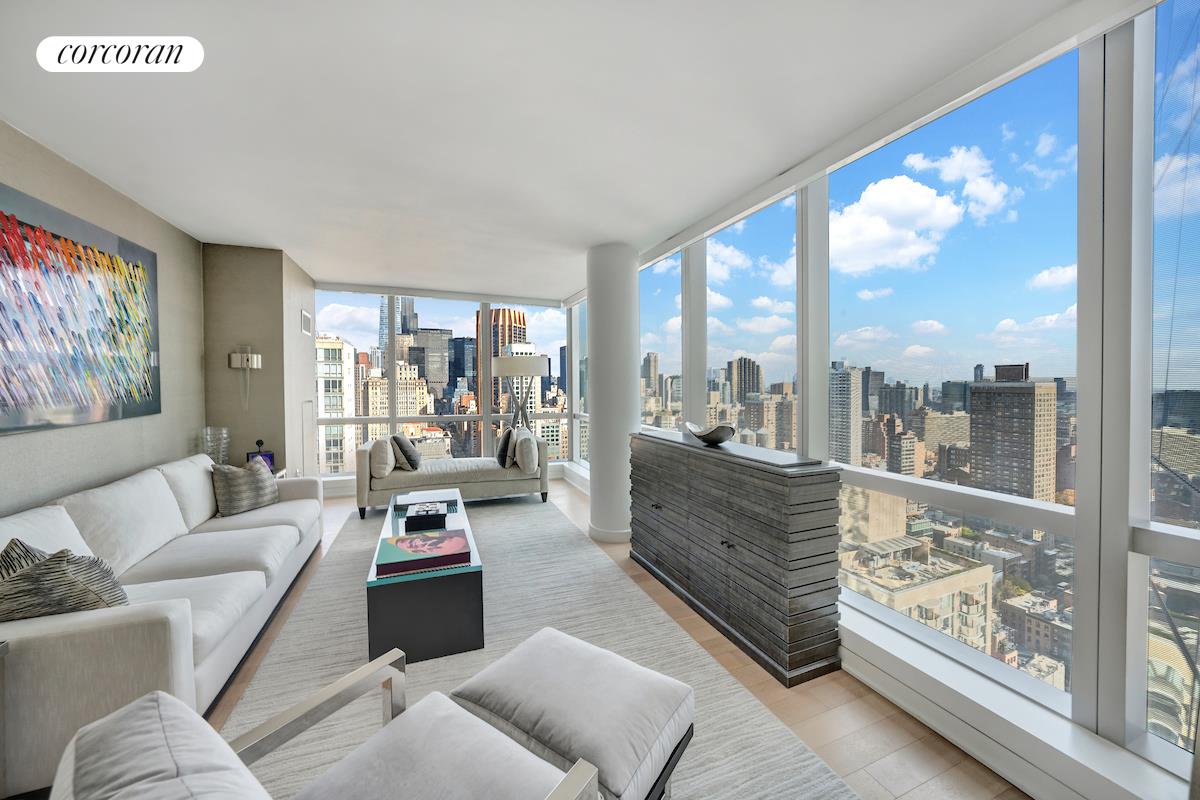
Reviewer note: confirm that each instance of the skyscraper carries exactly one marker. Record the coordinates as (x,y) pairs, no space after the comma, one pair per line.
(745,377)
(463,362)
(507,326)
(845,413)
(978,373)
(406,318)
(435,365)
(336,389)
(562,371)
(1012,436)
(651,377)
(900,399)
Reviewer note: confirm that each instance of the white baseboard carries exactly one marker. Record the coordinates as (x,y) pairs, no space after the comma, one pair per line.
(1041,752)
(577,475)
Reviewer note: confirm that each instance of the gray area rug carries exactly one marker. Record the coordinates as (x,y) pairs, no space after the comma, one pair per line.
(539,570)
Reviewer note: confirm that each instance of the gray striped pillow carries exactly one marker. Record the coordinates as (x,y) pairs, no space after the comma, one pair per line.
(239,490)
(17,556)
(58,584)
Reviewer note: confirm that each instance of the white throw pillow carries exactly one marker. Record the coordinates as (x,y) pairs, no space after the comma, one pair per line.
(383,460)
(526,448)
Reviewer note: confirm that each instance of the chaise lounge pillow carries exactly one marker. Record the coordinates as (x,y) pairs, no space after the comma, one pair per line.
(382,458)
(37,584)
(239,490)
(503,447)
(526,450)
(408,458)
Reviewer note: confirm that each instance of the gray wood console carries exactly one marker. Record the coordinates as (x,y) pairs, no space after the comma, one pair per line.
(748,537)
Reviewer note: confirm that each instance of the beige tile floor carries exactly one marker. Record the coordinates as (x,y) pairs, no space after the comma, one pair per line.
(882,752)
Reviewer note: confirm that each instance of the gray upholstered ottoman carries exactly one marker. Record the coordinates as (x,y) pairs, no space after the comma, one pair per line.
(564,699)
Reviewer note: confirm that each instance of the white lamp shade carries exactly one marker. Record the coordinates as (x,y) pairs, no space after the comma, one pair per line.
(520,366)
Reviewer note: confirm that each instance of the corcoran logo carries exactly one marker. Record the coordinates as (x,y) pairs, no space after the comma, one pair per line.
(120,54)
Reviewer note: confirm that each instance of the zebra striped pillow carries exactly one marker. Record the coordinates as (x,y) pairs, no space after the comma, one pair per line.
(17,556)
(56,584)
(239,490)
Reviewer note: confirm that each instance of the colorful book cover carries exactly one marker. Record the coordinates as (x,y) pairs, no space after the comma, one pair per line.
(430,550)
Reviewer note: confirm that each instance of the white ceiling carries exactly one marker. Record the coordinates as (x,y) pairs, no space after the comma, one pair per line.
(476,146)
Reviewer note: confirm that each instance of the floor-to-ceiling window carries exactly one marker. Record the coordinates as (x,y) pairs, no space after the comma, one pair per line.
(578,382)
(541,332)
(1173,592)
(388,363)
(661,371)
(952,308)
(751,326)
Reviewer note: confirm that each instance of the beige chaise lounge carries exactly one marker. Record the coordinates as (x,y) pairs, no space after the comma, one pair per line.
(475,478)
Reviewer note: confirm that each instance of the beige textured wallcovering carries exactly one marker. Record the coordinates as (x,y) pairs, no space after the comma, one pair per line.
(39,466)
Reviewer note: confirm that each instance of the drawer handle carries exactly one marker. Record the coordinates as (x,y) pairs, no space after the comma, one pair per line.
(656,506)
(728,543)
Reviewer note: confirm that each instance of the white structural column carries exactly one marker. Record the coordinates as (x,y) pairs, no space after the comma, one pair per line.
(612,369)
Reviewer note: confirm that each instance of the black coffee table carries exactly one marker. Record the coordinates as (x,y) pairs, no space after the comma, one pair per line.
(426,614)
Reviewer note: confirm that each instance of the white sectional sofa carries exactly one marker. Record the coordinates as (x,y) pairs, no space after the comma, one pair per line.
(200,587)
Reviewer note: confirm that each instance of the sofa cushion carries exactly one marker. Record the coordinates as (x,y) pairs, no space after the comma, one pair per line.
(503,446)
(58,583)
(382,458)
(435,749)
(190,480)
(127,520)
(526,448)
(218,603)
(566,699)
(300,514)
(408,457)
(217,552)
(49,528)
(448,471)
(153,747)
(242,489)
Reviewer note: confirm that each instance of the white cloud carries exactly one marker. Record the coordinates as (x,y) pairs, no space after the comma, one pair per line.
(772,305)
(1062,320)
(1175,190)
(673,325)
(873,294)
(1006,132)
(984,192)
(897,223)
(723,260)
(667,265)
(769,324)
(718,327)
(780,274)
(1046,176)
(1069,156)
(717,300)
(679,301)
(1045,144)
(789,201)
(864,337)
(917,351)
(1053,278)
(354,324)
(546,328)
(650,340)
(738,226)
(928,326)
(784,344)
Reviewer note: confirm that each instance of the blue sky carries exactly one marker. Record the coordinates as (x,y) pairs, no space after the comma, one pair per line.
(1176,198)
(956,244)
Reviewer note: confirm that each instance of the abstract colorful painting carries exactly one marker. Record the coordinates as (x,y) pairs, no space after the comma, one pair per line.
(78,320)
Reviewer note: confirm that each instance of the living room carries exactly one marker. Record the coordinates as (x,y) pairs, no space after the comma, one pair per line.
(645,401)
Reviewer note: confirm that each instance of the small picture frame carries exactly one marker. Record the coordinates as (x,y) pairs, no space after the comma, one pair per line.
(305,323)
(266,455)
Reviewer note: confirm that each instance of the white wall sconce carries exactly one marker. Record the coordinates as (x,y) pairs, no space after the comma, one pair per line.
(245,360)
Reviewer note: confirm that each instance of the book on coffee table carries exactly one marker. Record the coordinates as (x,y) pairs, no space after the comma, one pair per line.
(421,551)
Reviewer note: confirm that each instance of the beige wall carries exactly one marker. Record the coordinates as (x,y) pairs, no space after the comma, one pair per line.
(42,465)
(299,355)
(253,296)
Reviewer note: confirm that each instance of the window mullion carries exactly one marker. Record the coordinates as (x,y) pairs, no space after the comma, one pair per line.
(694,331)
(812,318)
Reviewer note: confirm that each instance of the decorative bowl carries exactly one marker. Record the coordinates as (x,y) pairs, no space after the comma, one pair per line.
(712,437)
